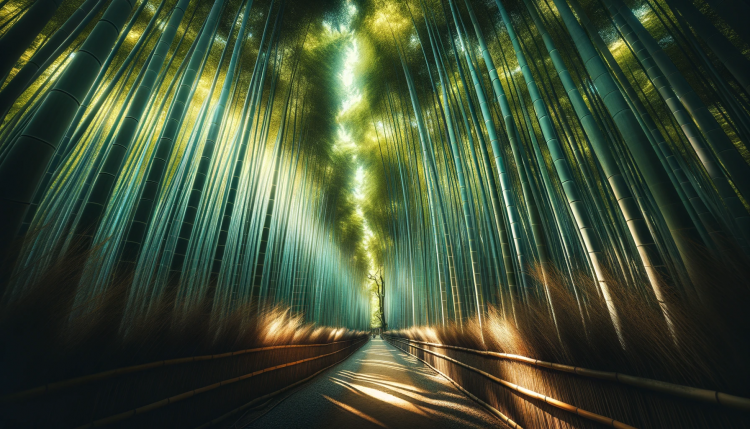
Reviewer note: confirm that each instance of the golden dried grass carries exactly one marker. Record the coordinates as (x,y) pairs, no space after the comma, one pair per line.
(710,349)
(47,337)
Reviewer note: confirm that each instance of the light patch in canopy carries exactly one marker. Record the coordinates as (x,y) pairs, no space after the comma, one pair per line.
(352,94)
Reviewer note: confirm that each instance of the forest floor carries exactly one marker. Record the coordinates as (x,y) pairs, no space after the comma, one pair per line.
(377,387)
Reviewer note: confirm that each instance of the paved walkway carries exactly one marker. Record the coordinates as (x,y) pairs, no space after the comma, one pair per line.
(377,387)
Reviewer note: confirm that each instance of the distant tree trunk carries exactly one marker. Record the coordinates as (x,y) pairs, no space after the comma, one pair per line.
(380,293)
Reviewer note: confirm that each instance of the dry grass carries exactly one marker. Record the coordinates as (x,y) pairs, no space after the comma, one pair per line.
(46,337)
(711,350)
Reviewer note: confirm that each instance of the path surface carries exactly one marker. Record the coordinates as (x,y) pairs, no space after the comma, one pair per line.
(377,387)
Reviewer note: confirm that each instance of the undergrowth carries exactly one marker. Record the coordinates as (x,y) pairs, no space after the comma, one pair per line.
(47,337)
(709,348)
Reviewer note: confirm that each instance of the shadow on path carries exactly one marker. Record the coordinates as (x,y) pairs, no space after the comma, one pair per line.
(377,387)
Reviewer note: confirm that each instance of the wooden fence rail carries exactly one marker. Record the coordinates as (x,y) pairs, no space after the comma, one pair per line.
(531,393)
(59,385)
(187,392)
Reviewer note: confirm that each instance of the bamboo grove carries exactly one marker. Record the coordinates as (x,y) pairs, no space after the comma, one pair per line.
(185,158)
(484,156)
(529,149)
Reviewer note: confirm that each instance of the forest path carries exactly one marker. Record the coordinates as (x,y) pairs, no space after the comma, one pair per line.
(377,387)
